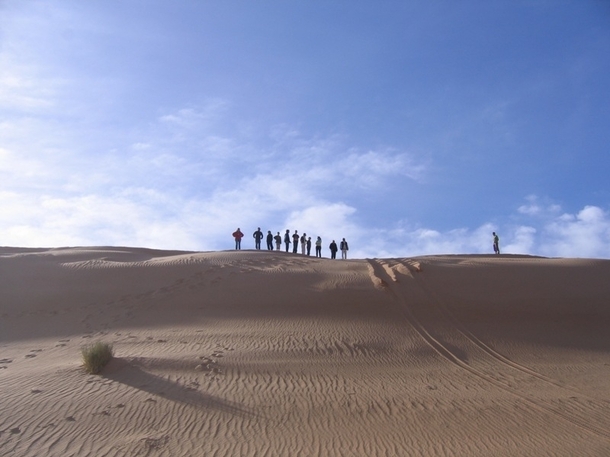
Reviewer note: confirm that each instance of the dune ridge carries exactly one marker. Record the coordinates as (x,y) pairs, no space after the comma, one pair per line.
(260,353)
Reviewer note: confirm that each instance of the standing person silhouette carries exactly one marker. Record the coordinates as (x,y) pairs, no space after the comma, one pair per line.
(319,247)
(238,236)
(303,243)
(287,239)
(333,250)
(295,241)
(269,240)
(278,241)
(496,243)
(309,246)
(344,248)
(258,236)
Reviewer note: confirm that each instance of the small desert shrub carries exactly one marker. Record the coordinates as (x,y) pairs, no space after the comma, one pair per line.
(96,356)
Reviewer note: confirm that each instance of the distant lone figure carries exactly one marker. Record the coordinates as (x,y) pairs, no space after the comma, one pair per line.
(238,236)
(278,241)
(333,250)
(269,240)
(344,248)
(496,243)
(319,247)
(258,236)
(287,239)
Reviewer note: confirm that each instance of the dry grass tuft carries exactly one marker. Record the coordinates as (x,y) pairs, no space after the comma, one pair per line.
(96,356)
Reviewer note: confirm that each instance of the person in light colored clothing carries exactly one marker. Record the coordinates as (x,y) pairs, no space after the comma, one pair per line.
(319,247)
(344,248)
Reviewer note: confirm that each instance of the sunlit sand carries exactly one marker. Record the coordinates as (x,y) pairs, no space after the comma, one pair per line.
(257,353)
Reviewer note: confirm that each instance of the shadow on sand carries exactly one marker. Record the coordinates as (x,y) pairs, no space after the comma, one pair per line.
(129,372)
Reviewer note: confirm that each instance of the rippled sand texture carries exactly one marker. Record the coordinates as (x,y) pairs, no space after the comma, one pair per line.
(254,353)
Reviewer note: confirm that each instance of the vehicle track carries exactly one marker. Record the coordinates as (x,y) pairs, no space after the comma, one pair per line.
(422,305)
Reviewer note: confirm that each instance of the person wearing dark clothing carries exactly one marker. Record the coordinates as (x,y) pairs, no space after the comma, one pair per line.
(278,241)
(238,236)
(269,240)
(319,247)
(258,236)
(333,250)
(295,241)
(309,246)
(287,239)
(344,248)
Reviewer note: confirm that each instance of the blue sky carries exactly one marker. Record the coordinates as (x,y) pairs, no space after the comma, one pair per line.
(407,127)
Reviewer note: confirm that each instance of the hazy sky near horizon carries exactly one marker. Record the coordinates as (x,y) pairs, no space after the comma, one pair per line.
(407,127)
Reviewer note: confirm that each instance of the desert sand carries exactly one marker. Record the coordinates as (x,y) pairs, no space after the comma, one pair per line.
(257,353)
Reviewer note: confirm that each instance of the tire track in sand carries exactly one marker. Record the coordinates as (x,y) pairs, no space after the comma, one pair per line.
(422,308)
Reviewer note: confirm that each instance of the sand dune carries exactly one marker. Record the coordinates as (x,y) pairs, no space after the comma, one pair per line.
(257,353)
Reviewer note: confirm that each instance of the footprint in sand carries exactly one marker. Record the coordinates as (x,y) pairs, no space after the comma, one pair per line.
(32,353)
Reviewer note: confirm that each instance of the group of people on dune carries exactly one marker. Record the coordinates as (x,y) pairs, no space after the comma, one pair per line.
(305,242)
(295,239)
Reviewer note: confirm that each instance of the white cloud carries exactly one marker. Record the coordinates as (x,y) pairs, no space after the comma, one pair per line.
(585,234)
(327,220)
(536,206)
(190,188)
(522,241)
